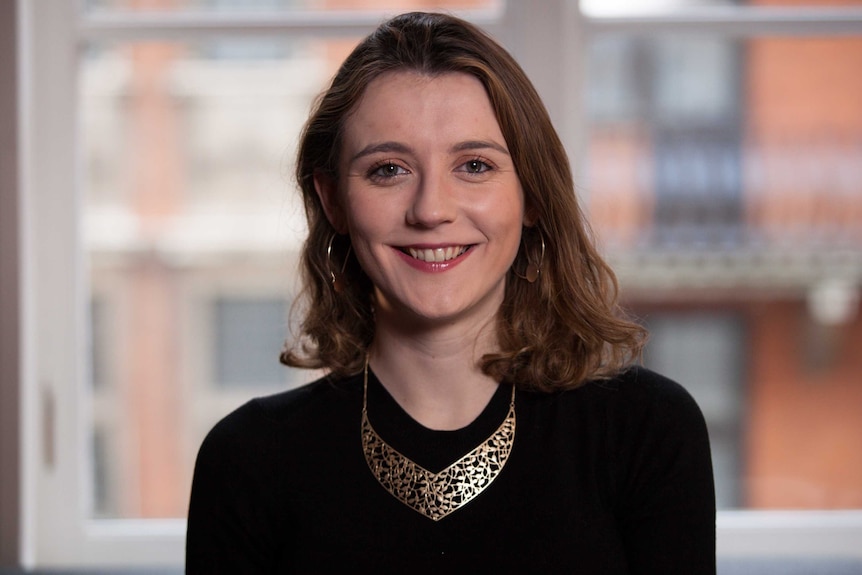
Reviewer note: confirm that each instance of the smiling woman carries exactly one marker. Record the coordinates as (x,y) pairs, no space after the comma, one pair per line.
(439,194)
(481,411)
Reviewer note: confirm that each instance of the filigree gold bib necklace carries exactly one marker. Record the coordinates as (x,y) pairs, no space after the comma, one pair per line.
(436,495)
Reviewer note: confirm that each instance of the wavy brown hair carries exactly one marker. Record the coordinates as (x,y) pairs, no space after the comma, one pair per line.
(555,333)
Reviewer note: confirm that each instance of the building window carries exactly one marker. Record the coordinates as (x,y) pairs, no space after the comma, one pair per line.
(706,353)
(247,342)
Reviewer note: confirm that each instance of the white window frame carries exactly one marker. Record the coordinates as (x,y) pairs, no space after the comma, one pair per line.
(54,529)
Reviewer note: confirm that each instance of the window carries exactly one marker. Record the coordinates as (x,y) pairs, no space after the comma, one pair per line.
(718,148)
(724,190)
(706,351)
(683,93)
(246,333)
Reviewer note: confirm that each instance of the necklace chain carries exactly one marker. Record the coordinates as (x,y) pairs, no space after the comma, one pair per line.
(436,495)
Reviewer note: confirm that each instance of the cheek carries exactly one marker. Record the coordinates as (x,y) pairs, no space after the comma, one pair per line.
(367,218)
(514,230)
(506,217)
(369,222)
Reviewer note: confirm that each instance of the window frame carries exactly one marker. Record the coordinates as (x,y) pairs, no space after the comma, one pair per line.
(53,295)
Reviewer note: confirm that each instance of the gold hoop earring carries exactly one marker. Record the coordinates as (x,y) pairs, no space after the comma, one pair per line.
(531,273)
(335,277)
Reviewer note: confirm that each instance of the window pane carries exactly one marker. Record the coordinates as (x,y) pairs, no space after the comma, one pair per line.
(705,350)
(192,228)
(246,337)
(625,7)
(724,175)
(252,6)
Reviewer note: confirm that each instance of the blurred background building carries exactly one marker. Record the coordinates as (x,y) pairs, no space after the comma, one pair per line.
(723,176)
(722,171)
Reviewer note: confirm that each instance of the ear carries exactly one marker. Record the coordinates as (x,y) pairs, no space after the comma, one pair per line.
(327,190)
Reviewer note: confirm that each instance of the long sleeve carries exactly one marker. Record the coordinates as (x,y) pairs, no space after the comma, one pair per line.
(668,512)
(230,521)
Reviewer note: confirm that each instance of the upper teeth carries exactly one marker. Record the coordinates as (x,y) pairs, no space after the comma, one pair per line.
(437,254)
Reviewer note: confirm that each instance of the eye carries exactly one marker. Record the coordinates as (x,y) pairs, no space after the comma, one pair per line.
(476,166)
(386,170)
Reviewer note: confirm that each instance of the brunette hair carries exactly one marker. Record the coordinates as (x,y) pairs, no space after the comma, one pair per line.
(555,333)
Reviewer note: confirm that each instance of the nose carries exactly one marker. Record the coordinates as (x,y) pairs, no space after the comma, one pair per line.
(433,202)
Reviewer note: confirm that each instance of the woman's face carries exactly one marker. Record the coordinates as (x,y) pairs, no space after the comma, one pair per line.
(429,195)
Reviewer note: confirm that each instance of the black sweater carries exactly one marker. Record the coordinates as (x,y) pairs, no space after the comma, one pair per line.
(612,477)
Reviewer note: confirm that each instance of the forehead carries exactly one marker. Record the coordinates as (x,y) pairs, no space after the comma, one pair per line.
(405,98)
(415,80)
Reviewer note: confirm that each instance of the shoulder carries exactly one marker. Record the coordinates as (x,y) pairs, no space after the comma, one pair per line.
(269,422)
(244,467)
(647,417)
(640,390)
(636,380)
(632,405)
(307,401)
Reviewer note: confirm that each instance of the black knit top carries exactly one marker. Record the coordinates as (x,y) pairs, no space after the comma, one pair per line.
(612,477)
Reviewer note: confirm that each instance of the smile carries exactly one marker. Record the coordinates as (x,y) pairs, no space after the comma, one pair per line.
(434,255)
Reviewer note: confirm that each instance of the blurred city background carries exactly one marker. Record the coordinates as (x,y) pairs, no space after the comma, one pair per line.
(722,174)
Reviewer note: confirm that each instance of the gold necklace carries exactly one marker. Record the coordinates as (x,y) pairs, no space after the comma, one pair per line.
(436,495)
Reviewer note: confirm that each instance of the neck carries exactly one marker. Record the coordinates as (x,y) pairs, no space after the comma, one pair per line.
(434,375)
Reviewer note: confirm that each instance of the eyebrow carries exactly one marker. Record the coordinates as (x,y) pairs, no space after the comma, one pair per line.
(479,145)
(381,147)
(403,149)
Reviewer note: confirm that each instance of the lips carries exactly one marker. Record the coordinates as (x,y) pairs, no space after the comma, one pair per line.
(436,255)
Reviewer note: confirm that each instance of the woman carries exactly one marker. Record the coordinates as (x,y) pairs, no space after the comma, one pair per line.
(480,413)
